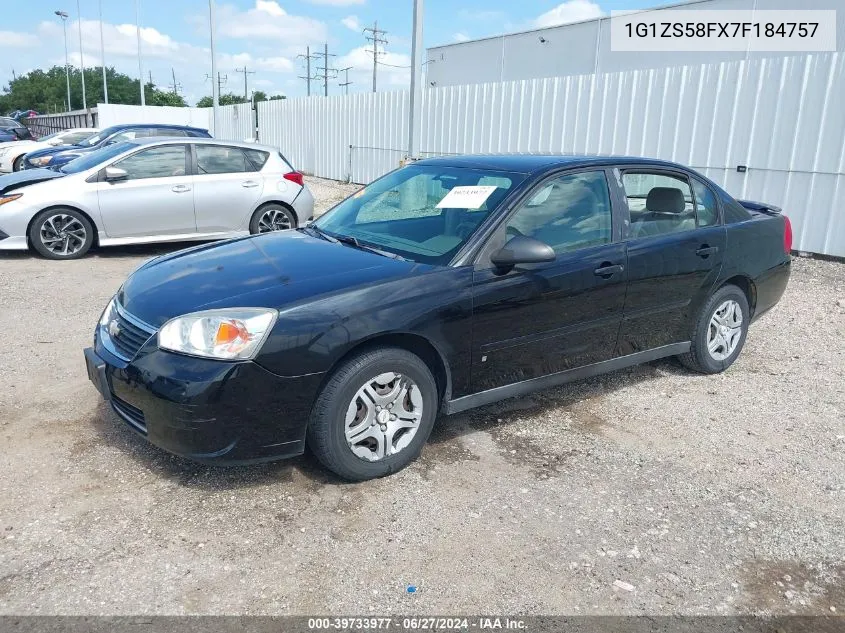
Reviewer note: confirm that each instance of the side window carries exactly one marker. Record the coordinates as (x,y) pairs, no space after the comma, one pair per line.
(257,157)
(156,162)
(128,135)
(706,209)
(166,131)
(217,159)
(658,203)
(567,213)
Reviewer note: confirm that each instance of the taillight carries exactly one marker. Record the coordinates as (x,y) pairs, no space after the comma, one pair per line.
(787,235)
(294,176)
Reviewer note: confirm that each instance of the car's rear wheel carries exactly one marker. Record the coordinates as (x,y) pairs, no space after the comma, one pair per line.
(720,331)
(272,217)
(374,414)
(18,164)
(61,234)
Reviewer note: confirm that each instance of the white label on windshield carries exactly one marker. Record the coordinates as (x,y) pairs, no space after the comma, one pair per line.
(466,197)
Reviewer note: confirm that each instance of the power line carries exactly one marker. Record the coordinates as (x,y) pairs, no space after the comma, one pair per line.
(376,39)
(246,73)
(391,65)
(307,57)
(346,83)
(325,76)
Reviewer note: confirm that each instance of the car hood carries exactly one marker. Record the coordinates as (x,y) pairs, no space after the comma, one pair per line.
(275,270)
(19,179)
(59,149)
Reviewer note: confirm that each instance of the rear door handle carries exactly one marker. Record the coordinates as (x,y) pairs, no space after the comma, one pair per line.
(706,251)
(249,183)
(180,188)
(607,270)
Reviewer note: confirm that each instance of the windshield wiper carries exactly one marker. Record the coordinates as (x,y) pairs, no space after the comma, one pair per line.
(353,241)
(321,233)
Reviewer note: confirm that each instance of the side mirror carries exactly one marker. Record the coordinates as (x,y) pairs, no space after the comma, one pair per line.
(522,250)
(115,174)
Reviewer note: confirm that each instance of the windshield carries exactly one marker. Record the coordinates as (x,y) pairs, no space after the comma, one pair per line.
(424,213)
(95,158)
(92,140)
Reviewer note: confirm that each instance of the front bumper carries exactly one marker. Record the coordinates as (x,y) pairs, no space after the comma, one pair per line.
(205,410)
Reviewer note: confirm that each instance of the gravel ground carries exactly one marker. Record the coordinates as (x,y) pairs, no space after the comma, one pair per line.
(650,490)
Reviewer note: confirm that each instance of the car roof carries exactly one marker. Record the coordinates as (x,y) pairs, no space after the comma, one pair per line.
(201,141)
(169,126)
(535,163)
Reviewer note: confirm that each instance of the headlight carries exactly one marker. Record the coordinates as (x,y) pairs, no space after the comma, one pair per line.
(41,160)
(107,314)
(231,334)
(10,197)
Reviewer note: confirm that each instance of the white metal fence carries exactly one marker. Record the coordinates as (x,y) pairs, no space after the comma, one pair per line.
(782,119)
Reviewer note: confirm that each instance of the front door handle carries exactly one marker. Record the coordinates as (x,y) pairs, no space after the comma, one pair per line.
(706,251)
(249,183)
(607,270)
(180,188)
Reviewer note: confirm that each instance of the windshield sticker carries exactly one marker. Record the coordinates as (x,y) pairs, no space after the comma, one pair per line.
(466,197)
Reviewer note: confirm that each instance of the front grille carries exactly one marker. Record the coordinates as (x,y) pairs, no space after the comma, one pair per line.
(127,334)
(131,415)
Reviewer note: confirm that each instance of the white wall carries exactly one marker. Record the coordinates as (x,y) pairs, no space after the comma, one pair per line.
(114,114)
(782,118)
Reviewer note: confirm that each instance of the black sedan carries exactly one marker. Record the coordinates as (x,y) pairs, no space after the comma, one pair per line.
(448,284)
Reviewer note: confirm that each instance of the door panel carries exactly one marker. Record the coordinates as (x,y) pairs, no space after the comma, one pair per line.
(226,190)
(543,319)
(156,199)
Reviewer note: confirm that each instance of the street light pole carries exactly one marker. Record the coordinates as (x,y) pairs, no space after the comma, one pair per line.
(415,110)
(140,65)
(103,56)
(215,82)
(64,16)
(82,61)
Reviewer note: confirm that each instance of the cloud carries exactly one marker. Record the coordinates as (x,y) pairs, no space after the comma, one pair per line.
(266,21)
(338,3)
(570,11)
(12,39)
(351,22)
(395,75)
(460,37)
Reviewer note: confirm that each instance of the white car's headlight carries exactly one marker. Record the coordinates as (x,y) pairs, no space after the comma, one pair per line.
(229,334)
(41,160)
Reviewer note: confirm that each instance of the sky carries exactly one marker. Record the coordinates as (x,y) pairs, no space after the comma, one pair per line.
(265,36)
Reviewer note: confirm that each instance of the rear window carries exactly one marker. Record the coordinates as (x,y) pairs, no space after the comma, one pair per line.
(257,157)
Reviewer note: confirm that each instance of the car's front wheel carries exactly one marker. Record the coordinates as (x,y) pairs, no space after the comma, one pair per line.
(374,414)
(720,331)
(272,217)
(61,233)
(18,164)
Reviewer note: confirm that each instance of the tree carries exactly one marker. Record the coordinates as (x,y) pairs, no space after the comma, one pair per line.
(225,99)
(46,91)
(276,97)
(259,95)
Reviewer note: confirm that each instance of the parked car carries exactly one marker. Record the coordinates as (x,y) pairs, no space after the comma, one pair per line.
(25,114)
(152,190)
(56,157)
(11,154)
(11,130)
(445,285)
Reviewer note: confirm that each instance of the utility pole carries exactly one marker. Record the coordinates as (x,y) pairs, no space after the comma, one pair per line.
(245,72)
(103,55)
(82,61)
(151,75)
(376,39)
(415,110)
(176,86)
(326,69)
(215,89)
(307,57)
(140,64)
(345,85)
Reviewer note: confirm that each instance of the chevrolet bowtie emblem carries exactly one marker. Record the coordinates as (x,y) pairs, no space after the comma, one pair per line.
(114,329)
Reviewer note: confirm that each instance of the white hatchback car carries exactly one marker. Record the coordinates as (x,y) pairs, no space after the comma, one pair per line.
(152,190)
(11,154)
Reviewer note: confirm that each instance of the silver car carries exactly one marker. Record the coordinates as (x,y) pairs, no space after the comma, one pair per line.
(152,190)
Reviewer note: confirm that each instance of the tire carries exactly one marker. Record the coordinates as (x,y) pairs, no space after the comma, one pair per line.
(722,332)
(274,215)
(61,233)
(18,164)
(341,408)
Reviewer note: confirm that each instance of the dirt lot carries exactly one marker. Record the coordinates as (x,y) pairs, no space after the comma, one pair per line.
(650,490)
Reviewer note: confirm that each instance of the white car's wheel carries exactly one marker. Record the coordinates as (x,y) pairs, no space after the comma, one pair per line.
(61,233)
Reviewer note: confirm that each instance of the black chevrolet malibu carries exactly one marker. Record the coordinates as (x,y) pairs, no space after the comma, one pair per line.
(448,284)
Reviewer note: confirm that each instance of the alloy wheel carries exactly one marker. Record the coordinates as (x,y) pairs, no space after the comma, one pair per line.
(274,220)
(725,330)
(63,234)
(383,416)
